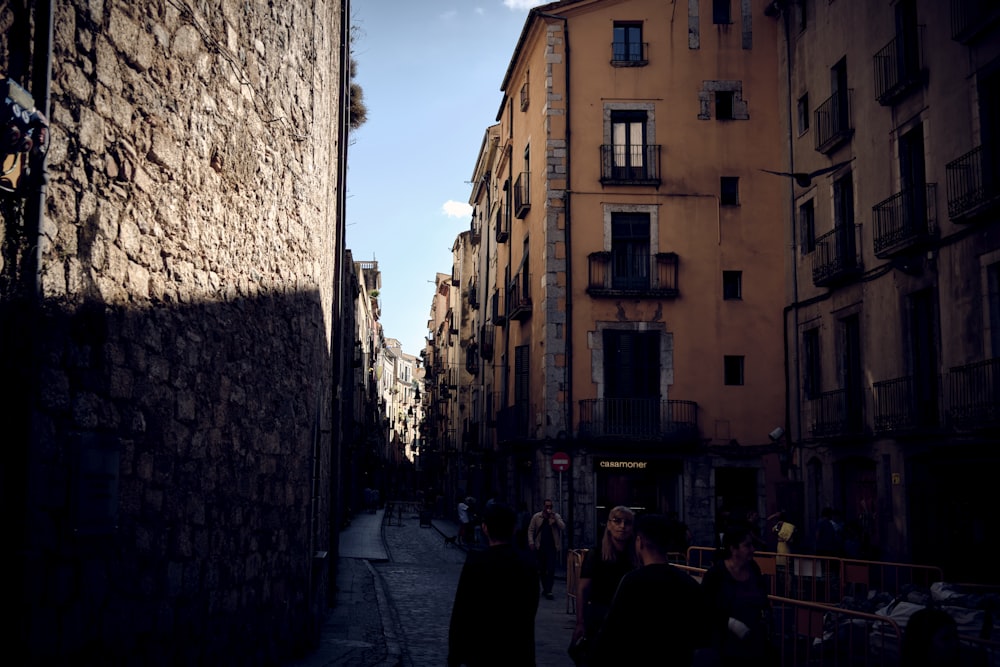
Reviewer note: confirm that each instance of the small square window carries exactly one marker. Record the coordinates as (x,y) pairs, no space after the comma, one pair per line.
(732,284)
(724,104)
(803,111)
(729,191)
(733,369)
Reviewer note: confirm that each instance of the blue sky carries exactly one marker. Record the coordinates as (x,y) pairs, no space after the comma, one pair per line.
(431,72)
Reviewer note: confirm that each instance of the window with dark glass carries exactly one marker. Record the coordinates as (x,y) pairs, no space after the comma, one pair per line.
(724,104)
(630,256)
(807,223)
(729,191)
(627,44)
(628,136)
(722,11)
(732,284)
(803,113)
(733,368)
(993,295)
(811,363)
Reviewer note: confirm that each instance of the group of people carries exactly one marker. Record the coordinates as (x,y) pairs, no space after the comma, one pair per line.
(632,603)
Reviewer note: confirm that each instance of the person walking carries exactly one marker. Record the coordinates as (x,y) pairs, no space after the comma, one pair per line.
(545,539)
(493,616)
(736,593)
(658,615)
(600,573)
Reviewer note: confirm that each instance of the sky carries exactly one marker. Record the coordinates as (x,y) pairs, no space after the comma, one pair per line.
(430,72)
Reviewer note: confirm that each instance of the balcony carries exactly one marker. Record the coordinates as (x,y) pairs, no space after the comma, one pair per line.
(473,294)
(905,220)
(514,422)
(502,224)
(834,123)
(899,67)
(472,359)
(607,280)
(973,184)
(639,419)
(974,395)
(522,195)
(486,342)
(629,54)
(837,414)
(906,405)
(623,164)
(519,298)
(475,231)
(971,18)
(835,259)
(497,308)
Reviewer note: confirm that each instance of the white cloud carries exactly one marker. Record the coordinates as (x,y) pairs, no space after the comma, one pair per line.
(448,15)
(480,11)
(456,209)
(518,5)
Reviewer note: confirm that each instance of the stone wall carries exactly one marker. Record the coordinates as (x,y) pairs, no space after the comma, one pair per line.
(176,376)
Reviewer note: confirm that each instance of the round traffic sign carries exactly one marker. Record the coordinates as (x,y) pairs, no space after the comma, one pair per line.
(560,461)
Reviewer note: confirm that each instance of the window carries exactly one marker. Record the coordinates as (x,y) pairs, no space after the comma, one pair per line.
(843,217)
(993,296)
(627,44)
(811,363)
(732,284)
(803,113)
(721,11)
(724,104)
(801,15)
(733,365)
(630,255)
(729,191)
(628,138)
(807,223)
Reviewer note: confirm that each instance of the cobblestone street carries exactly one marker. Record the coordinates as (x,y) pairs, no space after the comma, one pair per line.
(420,579)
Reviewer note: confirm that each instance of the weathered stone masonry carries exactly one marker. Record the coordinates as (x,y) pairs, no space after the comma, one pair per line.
(176,472)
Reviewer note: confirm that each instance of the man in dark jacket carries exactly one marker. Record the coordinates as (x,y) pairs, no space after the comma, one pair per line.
(658,616)
(493,618)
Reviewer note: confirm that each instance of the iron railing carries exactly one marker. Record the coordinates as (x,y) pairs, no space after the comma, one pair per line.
(834,123)
(974,395)
(629,53)
(603,281)
(519,297)
(905,219)
(639,418)
(514,422)
(522,194)
(627,164)
(971,17)
(837,413)
(899,66)
(906,404)
(973,183)
(835,258)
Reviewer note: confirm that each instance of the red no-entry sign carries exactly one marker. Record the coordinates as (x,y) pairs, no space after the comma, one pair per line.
(560,461)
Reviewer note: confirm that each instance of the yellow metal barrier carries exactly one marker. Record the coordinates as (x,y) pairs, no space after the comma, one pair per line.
(574,560)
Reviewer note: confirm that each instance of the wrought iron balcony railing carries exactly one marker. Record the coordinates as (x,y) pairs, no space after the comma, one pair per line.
(906,405)
(899,67)
(499,314)
(605,280)
(834,121)
(486,342)
(974,395)
(835,259)
(970,18)
(625,164)
(973,184)
(904,220)
(519,298)
(629,54)
(837,413)
(522,194)
(502,221)
(639,419)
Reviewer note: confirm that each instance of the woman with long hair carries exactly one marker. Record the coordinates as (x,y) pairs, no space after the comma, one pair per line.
(601,570)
